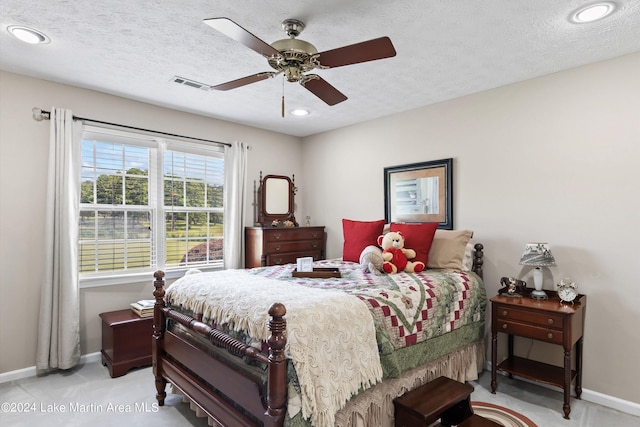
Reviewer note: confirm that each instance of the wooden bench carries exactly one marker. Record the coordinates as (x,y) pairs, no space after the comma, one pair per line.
(478,421)
(442,398)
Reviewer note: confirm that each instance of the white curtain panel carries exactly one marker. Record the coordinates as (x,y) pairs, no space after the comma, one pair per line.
(58,344)
(235,165)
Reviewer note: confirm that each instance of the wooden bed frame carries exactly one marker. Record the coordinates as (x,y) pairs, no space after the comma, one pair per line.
(195,372)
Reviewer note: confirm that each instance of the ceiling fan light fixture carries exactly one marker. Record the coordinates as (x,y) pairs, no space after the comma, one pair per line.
(299,112)
(592,12)
(28,35)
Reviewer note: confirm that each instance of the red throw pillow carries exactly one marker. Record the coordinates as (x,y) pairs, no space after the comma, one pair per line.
(358,235)
(418,237)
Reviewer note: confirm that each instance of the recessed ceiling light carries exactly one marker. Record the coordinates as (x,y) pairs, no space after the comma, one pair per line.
(28,35)
(593,12)
(299,112)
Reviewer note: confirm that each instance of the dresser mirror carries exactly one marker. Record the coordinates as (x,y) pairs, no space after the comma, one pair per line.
(276,200)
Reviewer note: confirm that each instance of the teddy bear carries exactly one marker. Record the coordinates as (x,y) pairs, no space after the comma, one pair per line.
(396,257)
(371,260)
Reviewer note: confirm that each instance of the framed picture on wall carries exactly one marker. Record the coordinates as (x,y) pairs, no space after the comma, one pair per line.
(420,192)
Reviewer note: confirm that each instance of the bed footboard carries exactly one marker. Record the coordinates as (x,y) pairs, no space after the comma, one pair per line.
(191,370)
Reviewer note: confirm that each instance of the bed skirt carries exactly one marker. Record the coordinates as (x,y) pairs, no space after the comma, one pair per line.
(374,407)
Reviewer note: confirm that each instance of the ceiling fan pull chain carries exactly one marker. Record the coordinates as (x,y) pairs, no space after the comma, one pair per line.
(283,96)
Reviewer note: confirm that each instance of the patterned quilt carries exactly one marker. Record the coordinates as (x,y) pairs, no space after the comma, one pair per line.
(408,308)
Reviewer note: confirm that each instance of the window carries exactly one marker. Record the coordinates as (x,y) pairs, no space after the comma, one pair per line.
(148,204)
(192,208)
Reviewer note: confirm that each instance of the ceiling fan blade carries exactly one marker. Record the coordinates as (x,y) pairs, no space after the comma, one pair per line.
(245,81)
(232,30)
(323,90)
(360,52)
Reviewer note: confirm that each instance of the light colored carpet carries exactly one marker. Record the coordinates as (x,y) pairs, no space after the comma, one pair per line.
(88,396)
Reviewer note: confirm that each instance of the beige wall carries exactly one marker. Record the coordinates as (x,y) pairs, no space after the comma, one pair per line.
(23,161)
(554,159)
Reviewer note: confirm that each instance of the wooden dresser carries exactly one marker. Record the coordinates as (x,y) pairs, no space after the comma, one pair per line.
(266,246)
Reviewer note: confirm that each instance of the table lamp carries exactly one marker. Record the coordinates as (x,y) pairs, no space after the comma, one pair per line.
(537,255)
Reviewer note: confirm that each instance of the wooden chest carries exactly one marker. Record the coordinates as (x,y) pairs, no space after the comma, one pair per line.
(266,246)
(126,341)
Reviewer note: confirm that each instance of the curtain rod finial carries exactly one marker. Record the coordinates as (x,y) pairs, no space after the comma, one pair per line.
(38,114)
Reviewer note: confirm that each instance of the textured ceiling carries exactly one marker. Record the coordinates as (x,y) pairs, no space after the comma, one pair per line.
(445,49)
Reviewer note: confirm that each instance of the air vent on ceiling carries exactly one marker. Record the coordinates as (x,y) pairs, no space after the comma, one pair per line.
(190,83)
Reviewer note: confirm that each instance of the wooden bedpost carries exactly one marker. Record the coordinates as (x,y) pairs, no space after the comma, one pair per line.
(478,259)
(277,390)
(159,324)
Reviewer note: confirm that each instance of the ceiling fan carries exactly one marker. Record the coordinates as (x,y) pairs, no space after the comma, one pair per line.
(295,57)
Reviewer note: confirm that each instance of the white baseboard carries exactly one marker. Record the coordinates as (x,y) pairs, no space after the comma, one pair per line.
(31,371)
(612,402)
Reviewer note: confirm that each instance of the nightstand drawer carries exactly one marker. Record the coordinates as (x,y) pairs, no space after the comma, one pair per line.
(530,331)
(538,318)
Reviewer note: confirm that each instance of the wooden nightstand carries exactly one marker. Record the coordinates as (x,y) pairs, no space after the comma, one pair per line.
(544,320)
(126,341)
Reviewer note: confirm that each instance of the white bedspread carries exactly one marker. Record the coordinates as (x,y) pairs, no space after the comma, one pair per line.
(330,335)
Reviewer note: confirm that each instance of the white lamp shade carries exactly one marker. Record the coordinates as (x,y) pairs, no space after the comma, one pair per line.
(537,255)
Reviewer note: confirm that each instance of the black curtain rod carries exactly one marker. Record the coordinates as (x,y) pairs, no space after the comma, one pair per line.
(39,114)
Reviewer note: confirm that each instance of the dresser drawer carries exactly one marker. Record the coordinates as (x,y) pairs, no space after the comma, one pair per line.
(554,336)
(282,247)
(536,317)
(291,257)
(293,234)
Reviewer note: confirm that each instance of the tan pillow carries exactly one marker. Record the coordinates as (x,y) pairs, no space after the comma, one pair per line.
(448,247)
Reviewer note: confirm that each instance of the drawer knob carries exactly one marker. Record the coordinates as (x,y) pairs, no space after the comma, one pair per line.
(277,236)
(505,312)
(277,247)
(315,235)
(277,261)
(550,321)
(505,326)
(314,245)
(550,335)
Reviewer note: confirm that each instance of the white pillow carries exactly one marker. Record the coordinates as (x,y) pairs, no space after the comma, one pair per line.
(467,260)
